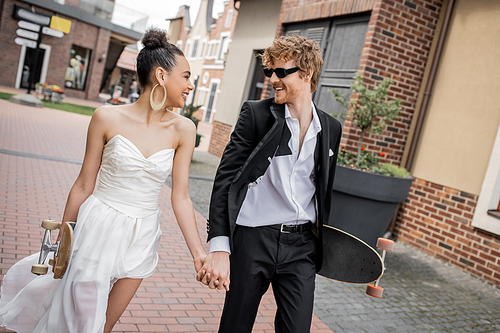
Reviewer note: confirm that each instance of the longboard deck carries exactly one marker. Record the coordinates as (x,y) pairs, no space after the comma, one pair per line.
(65,250)
(347,258)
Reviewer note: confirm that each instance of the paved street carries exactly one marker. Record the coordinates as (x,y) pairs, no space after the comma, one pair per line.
(40,152)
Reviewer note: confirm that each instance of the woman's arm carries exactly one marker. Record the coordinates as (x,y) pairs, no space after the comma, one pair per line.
(85,182)
(181,202)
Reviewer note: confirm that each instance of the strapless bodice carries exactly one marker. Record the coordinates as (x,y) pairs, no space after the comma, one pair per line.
(130,182)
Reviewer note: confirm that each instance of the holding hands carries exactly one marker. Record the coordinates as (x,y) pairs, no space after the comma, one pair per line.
(214,272)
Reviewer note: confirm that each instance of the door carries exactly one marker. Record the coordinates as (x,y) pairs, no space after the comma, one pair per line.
(342,41)
(29,66)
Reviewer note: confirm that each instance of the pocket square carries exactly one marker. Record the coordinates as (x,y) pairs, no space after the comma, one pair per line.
(330,153)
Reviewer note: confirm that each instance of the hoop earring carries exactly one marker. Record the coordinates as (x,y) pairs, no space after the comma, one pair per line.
(154,106)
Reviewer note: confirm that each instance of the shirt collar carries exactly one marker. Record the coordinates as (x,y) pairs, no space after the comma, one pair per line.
(315,121)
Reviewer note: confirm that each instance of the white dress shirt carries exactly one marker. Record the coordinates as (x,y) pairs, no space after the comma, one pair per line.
(285,193)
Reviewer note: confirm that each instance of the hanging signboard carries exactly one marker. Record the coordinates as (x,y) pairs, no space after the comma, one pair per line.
(52,32)
(27,34)
(28,26)
(58,23)
(25,42)
(24,14)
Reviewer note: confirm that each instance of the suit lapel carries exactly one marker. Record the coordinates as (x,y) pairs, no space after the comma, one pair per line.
(321,153)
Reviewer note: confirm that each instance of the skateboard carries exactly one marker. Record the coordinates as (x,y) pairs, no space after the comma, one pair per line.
(347,258)
(62,249)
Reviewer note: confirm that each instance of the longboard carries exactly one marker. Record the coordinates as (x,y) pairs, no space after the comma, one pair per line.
(62,249)
(347,258)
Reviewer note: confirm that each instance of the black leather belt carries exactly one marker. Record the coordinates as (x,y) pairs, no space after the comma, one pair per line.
(289,228)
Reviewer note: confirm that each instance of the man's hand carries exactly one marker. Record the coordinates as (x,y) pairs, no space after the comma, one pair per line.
(215,271)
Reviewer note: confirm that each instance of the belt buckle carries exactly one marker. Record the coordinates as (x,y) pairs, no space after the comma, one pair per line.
(284,231)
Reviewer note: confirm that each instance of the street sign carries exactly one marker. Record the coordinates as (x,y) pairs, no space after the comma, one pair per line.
(28,25)
(52,32)
(25,42)
(61,24)
(27,34)
(26,14)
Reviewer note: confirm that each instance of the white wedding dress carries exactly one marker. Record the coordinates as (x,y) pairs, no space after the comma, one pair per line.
(116,236)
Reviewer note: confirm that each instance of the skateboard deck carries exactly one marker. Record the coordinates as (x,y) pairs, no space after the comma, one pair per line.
(346,258)
(63,255)
(62,249)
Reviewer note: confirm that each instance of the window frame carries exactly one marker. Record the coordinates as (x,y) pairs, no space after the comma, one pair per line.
(486,214)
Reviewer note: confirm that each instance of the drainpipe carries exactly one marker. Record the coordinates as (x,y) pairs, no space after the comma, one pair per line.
(422,111)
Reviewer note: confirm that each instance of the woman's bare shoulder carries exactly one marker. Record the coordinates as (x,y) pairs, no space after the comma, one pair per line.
(182,123)
(108,113)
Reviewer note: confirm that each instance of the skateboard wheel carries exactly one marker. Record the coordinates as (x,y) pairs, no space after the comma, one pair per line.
(385,244)
(51,262)
(373,291)
(51,224)
(39,269)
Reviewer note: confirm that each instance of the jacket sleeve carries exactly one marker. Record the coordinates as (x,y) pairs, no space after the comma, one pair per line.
(235,154)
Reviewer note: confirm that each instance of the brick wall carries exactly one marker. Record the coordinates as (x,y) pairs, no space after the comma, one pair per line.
(219,138)
(96,70)
(437,219)
(399,38)
(9,51)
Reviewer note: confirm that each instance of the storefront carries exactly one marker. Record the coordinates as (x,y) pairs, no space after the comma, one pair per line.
(78,60)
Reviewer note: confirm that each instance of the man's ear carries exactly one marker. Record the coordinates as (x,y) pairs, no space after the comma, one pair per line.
(309,75)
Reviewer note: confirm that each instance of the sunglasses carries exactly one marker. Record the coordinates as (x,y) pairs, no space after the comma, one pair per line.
(280,72)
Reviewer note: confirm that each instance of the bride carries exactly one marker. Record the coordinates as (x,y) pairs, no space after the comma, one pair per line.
(133,148)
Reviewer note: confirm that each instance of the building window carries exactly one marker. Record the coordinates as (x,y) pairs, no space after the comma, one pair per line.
(78,66)
(186,52)
(202,54)
(195,48)
(209,51)
(224,46)
(214,50)
(487,212)
(212,99)
(229,18)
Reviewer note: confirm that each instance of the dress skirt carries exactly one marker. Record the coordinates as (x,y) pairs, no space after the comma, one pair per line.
(109,245)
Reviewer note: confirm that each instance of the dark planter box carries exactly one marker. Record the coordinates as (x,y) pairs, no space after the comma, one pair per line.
(363,203)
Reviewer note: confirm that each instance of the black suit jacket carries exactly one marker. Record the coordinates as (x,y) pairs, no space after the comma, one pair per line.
(254,141)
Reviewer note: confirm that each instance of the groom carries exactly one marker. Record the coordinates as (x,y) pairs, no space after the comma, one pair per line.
(271,195)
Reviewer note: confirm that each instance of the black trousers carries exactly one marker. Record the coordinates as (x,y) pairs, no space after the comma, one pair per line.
(264,255)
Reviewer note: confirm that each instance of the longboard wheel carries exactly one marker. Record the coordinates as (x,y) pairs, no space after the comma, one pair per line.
(373,291)
(385,244)
(51,224)
(39,269)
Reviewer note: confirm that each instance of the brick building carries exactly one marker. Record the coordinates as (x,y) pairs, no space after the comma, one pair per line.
(80,61)
(213,67)
(441,55)
(195,43)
